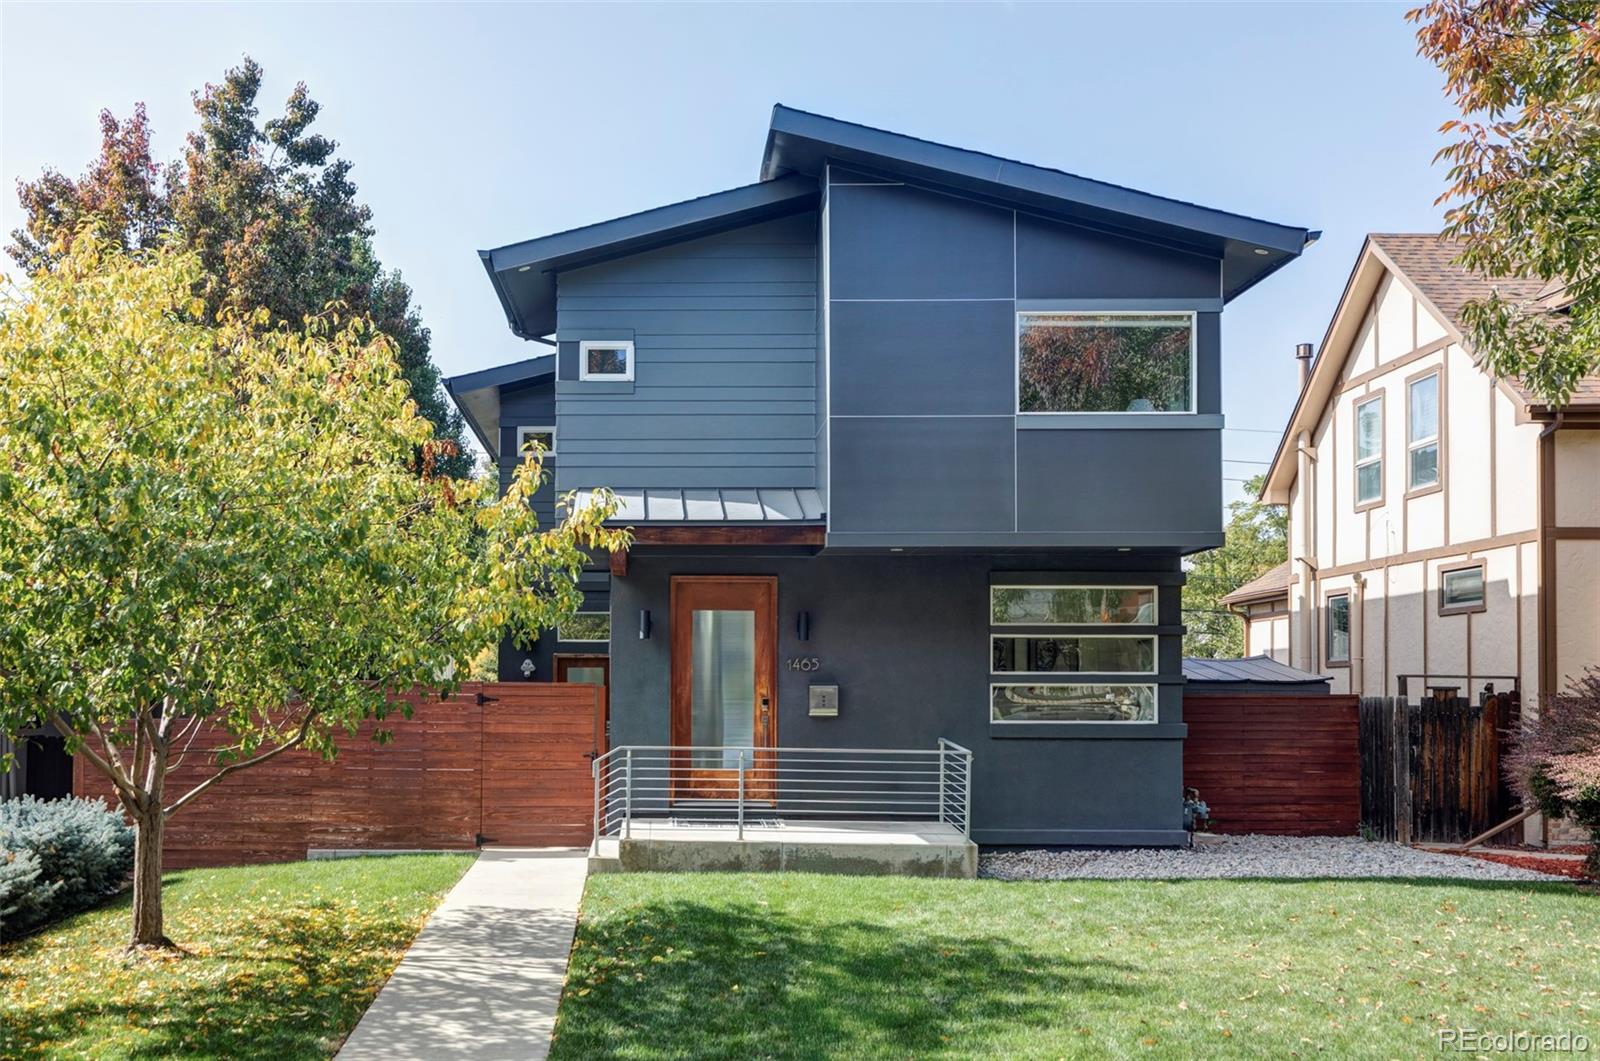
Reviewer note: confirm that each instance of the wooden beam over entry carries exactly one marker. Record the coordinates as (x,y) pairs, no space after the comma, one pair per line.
(723,534)
(619,563)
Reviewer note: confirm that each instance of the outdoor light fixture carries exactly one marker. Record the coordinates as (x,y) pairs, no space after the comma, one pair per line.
(644,624)
(527,667)
(802,626)
(1261,250)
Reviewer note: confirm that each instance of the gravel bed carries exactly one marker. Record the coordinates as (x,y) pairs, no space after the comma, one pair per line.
(1245,856)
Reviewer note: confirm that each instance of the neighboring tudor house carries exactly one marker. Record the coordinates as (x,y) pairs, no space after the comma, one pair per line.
(1263,604)
(913,440)
(1444,527)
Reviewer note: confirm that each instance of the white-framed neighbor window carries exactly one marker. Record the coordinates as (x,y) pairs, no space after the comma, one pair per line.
(1461,589)
(1105,362)
(1336,651)
(586,627)
(543,434)
(1422,432)
(1072,605)
(1369,451)
(606,359)
(1011,703)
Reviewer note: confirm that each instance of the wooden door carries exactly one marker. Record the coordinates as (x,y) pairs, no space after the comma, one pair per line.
(591,670)
(724,632)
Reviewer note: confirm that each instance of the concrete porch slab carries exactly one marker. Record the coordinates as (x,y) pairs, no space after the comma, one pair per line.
(904,849)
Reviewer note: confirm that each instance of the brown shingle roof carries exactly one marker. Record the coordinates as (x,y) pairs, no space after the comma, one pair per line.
(1272,583)
(1428,261)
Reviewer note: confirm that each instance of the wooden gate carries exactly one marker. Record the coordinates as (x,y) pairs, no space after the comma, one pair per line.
(538,740)
(1430,771)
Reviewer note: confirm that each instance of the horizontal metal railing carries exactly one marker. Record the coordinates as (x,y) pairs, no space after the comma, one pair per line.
(740,786)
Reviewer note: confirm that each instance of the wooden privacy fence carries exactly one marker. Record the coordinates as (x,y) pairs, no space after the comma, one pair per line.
(495,764)
(1430,771)
(1286,765)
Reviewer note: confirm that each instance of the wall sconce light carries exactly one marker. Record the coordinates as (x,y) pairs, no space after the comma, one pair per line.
(644,624)
(527,667)
(802,626)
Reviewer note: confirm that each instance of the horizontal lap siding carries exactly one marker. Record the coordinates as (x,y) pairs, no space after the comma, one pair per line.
(514,769)
(725,345)
(1282,765)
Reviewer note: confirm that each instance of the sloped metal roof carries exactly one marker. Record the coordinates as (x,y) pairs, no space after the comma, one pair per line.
(1253,670)
(703,505)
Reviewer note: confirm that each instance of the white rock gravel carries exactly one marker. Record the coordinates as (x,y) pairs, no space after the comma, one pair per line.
(1246,856)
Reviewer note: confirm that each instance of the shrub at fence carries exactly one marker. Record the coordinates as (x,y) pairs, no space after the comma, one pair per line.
(57,857)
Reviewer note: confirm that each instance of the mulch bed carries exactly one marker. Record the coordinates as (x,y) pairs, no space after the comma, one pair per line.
(1566,867)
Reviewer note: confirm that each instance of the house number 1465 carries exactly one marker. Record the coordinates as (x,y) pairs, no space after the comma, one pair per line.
(804,663)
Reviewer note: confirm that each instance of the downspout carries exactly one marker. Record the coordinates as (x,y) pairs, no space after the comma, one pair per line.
(1358,635)
(1308,576)
(1546,501)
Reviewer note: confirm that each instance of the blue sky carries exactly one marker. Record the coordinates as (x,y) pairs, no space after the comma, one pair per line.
(476,125)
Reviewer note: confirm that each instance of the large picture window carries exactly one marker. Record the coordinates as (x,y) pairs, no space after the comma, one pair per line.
(1369,452)
(1422,433)
(1105,362)
(1071,605)
(1072,703)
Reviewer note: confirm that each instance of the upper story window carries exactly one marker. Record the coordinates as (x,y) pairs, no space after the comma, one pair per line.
(610,359)
(543,436)
(1105,362)
(1369,451)
(1422,432)
(1337,649)
(1072,605)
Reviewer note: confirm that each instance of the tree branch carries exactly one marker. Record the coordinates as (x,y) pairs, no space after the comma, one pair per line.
(293,742)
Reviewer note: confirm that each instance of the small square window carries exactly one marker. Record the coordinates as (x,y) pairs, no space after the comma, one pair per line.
(545,437)
(586,626)
(608,360)
(1461,589)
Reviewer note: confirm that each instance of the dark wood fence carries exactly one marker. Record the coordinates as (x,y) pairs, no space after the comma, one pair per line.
(1431,771)
(1286,765)
(496,763)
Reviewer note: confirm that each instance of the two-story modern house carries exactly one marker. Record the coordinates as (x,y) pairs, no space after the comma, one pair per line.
(1444,525)
(912,440)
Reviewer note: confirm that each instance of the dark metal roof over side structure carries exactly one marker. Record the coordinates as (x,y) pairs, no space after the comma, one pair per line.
(800,145)
(477,394)
(1260,674)
(1251,249)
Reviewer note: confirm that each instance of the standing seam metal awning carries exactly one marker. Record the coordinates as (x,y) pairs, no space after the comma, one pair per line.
(711,505)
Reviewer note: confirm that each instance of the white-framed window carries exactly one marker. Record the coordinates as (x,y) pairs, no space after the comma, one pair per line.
(1072,605)
(1369,450)
(1337,648)
(606,359)
(1461,589)
(543,434)
(1071,654)
(1105,362)
(1422,432)
(1012,703)
(586,627)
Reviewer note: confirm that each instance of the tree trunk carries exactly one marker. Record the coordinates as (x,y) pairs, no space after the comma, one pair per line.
(148,927)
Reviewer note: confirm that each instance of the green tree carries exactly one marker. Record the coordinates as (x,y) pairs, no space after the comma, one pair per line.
(1257,540)
(235,527)
(1524,172)
(269,210)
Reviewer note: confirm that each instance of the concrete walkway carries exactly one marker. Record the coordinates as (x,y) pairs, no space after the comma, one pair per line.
(483,978)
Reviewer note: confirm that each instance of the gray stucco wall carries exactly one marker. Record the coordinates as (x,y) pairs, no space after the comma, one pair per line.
(906,640)
(925,444)
(725,340)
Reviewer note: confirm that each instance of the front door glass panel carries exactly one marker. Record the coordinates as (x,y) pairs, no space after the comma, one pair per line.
(723,706)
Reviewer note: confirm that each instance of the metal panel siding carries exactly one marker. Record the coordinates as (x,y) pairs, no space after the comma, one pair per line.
(1063,261)
(920,358)
(725,350)
(903,242)
(923,292)
(922,474)
(1079,479)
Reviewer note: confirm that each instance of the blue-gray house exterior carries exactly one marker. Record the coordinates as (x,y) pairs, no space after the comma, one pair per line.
(823,389)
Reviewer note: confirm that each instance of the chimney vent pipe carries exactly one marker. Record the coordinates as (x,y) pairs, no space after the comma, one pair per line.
(1302,354)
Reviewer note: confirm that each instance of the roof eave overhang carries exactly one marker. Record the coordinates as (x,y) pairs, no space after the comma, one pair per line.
(471,390)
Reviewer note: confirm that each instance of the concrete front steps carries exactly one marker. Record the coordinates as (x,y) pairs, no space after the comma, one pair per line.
(898,849)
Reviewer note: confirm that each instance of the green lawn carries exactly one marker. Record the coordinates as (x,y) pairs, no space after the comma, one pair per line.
(281,962)
(802,966)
